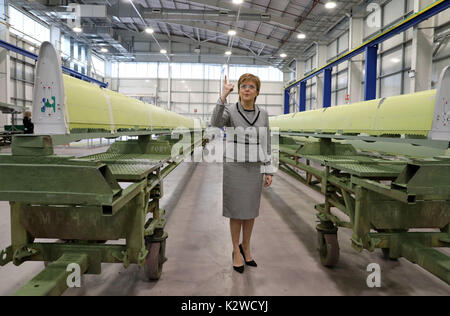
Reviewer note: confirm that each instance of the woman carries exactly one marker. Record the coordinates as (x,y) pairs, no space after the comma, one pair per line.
(243,178)
(27,124)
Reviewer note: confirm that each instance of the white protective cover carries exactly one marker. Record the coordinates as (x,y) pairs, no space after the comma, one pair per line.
(441,119)
(49,112)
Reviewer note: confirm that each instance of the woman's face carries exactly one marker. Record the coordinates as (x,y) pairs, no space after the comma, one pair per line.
(248,91)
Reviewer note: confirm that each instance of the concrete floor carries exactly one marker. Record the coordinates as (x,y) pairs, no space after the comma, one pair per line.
(199,249)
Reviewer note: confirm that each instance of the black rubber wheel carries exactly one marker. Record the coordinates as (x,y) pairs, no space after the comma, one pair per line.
(328,249)
(154,261)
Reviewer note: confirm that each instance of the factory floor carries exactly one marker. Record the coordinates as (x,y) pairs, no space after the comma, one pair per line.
(199,249)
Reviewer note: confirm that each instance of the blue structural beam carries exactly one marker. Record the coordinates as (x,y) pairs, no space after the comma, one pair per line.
(370,85)
(69,71)
(302,101)
(327,88)
(287,99)
(433,9)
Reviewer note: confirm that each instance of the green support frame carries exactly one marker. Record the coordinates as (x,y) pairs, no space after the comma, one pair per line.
(80,202)
(387,196)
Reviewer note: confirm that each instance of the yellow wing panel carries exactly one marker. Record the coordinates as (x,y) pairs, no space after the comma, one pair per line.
(406,114)
(86,106)
(91,107)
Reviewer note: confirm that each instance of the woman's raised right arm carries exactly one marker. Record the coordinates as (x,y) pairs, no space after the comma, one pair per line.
(221,115)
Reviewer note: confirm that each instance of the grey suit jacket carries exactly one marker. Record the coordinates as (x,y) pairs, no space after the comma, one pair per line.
(247,138)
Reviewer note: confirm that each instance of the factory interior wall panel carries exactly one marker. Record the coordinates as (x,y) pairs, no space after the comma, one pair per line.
(212,97)
(213,85)
(114,85)
(3,121)
(203,95)
(442,18)
(22,77)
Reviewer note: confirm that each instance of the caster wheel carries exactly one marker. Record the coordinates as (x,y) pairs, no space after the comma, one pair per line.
(154,261)
(328,249)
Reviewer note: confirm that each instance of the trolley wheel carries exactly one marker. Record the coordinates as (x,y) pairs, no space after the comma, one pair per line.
(154,260)
(328,249)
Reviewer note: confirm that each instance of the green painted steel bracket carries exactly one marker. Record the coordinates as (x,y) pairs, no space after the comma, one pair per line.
(6,256)
(122,256)
(53,280)
(73,137)
(23,254)
(32,145)
(97,253)
(384,190)
(155,223)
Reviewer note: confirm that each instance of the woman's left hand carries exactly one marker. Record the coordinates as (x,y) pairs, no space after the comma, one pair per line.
(267,180)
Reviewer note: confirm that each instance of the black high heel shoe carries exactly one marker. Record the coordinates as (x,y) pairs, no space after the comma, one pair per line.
(237,269)
(249,263)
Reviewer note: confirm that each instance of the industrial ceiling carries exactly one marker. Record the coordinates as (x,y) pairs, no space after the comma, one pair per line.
(198,31)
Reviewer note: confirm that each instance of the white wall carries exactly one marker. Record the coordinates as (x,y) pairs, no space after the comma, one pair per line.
(188,95)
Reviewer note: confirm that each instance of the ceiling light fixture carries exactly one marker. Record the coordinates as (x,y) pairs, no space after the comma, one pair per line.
(163,51)
(77,29)
(232,32)
(228,53)
(301,36)
(104,50)
(330,5)
(283,55)
(149,30)
(238,1)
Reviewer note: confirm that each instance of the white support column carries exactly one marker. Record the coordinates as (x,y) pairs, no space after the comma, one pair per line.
(89,61)
(108,73)
(5,68)
(55,37)
(422,51)
(286,77)
(321,60)
(169,80)
(300,69)
(355,66)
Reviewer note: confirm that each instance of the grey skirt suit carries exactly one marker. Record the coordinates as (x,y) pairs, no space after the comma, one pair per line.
(246,158)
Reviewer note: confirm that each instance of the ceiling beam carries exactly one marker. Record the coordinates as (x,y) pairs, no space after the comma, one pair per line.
(290,24)
(197,15)
(224,30)
(143,37)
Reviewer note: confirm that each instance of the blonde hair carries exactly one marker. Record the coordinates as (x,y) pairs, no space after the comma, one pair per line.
(249,77)
(27,114)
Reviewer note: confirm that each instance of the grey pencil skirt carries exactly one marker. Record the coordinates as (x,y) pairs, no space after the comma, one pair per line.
(242,188)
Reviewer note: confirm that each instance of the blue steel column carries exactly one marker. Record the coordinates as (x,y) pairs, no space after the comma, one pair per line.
(327,88)
(370,87)
(287,98)
(302,97)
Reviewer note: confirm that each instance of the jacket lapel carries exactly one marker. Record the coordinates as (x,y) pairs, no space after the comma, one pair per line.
(242,113)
